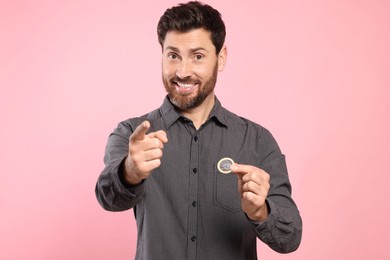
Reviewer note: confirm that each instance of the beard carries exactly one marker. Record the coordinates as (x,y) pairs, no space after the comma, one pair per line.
(190,100)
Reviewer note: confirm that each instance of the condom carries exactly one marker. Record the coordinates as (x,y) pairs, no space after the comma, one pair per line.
(224,165)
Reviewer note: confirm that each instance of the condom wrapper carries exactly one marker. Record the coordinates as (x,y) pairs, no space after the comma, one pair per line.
(224,165)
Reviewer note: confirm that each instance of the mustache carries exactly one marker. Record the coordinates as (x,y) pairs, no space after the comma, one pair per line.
(187,80)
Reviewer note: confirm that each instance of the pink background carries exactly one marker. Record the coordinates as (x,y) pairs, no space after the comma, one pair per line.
(315,73)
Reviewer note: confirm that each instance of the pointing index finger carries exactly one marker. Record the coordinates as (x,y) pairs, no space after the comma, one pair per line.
(140,132)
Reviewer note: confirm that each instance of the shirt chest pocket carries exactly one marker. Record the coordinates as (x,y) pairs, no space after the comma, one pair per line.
(226,193)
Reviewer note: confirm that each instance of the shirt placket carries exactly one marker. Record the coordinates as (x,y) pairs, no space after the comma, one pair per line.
(193,198)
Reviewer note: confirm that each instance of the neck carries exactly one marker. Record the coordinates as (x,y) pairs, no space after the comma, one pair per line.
(200,114)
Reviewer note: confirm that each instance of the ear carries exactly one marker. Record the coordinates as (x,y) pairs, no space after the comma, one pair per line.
(222,56)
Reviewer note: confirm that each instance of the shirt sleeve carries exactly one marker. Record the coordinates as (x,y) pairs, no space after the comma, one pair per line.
(282,230)
(111,191)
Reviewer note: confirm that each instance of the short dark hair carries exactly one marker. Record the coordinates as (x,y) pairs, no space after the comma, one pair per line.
(193,15)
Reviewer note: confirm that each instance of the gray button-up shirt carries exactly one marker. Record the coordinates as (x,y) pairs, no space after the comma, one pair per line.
(187,209)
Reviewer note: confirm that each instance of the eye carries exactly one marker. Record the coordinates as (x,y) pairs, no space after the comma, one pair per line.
(198,57)
(173,56)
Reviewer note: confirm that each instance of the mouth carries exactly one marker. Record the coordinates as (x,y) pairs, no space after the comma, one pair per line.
(185,87)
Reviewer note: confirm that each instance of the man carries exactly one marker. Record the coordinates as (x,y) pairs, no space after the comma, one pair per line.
(165,166)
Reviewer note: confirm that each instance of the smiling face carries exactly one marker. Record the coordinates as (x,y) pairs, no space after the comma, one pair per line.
(189,67)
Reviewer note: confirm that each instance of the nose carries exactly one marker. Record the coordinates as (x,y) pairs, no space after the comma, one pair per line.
(184,69)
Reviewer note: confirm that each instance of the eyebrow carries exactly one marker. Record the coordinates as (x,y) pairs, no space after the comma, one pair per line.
(191,50)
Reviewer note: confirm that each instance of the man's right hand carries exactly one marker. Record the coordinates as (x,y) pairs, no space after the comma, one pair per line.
(145,152)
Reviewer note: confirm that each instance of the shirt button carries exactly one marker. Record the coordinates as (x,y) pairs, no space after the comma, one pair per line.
(195,170)
(194,203)
(193,238)
(195,138)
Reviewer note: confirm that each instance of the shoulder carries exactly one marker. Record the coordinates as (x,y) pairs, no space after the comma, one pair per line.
(240,123)
(251,130)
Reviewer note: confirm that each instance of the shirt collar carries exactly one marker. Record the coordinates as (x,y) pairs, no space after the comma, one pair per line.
(171,115)
(218,113)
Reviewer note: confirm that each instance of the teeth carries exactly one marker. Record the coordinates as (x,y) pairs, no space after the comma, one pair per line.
(185,85)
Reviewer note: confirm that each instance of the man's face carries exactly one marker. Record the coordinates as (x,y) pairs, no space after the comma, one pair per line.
(189,67)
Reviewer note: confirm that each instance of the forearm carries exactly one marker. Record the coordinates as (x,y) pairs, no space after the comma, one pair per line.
(111,191)
(282,230)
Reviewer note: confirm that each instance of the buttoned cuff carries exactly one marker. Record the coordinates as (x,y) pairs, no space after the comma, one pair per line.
(123,187)
(264,228)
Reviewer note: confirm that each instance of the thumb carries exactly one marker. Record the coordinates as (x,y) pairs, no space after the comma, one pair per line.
(140,132)
(161,135)
(236,170)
